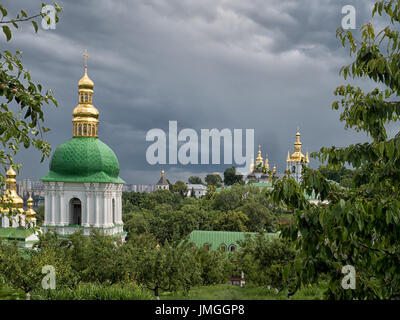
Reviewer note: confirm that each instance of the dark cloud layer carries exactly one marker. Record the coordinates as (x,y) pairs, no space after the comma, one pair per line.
(267,65)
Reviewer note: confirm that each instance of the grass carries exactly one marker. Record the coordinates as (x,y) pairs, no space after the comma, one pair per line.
(117,292)
(11,294)
(228,292)
(95,292)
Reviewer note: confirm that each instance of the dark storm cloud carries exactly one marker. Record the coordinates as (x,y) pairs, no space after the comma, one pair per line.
(267,65)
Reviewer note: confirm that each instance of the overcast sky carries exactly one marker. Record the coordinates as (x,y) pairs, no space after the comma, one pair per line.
(270,65)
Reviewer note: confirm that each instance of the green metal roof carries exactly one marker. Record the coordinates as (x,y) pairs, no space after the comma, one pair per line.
(15,233)
(217,238)
(84,159)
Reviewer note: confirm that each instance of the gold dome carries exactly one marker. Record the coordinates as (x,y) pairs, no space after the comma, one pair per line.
(85,82)
(30,213)
(297,156)
(266,164)
(85,117)
(259,159)
(10,198)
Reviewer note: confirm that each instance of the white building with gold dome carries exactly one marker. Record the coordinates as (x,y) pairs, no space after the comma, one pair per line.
(162,184)
(260,172)
(16,223)
(296,161)
(82,188)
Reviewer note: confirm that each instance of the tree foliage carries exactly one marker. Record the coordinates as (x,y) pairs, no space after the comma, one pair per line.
(360,225)
(230,177)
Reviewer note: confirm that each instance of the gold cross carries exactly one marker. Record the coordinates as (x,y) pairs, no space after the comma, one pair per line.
(86,56)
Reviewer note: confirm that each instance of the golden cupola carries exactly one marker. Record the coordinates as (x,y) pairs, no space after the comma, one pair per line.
(252,165)
(259,159)
(266,164)
(85,117)
(10,198)
(297,156)
(30,213)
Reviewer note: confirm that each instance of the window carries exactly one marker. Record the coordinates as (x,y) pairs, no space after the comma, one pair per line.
(207,246)
(86,97)
(232,248)
(223,247)
(293,169)
(75,211)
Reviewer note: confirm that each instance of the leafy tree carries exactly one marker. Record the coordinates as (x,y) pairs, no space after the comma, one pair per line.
(21,110)
(230,199)
(21,113)
(360,226)
(103,259)
(215,267)
(22,269)
(267,262)
(213,180)
(165,267)
(343,176)
(39,215)
(230,177)
(137,222)
(231,221)
(260,217)
(180,188)
(195,180)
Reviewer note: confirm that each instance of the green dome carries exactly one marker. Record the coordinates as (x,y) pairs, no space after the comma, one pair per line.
(84,160)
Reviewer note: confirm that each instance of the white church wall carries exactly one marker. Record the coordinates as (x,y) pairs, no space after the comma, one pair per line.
(96,201)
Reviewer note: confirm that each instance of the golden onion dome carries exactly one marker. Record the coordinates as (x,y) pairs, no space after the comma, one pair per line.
(11,173)
(30,213)
(259,159)
(85,111)
(297,155)
(10,198)
(85,82)
(266,164)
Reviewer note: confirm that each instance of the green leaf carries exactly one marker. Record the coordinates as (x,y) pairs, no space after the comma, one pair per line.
(35,25)
(3,11)
(7,32)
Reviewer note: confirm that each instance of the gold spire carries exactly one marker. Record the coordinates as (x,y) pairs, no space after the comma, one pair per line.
(10,195)
(85,116)
(162,173)
(274,170)
(307,160)
(266,164)
(297,156)
(288,156)
(259,158)
(30,213)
